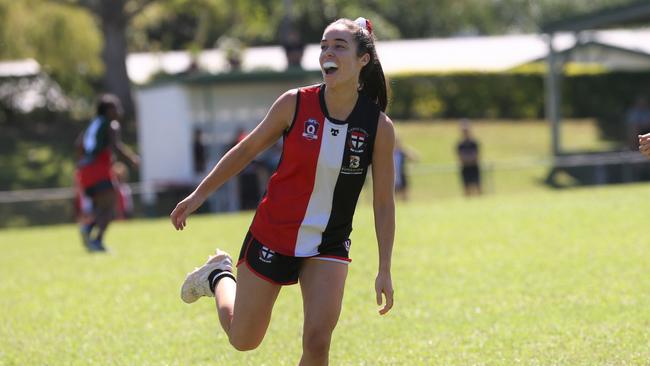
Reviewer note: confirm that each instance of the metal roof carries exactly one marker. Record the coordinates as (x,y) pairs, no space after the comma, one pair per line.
(460,54)
(633,14)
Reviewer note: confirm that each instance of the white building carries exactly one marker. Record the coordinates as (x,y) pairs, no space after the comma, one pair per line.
(169,113)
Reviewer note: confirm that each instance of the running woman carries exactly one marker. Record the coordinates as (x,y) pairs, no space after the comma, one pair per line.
(94,174)
(332,132)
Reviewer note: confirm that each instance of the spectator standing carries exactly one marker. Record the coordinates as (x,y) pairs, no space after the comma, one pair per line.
(468,155)
(402,155)
(637,121)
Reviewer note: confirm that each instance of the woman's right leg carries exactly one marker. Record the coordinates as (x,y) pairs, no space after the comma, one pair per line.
(245,307)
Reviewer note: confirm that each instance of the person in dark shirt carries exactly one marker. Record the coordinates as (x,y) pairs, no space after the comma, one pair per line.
(198,147)
(637,121)
(94,173)
(468,155)
(402,155)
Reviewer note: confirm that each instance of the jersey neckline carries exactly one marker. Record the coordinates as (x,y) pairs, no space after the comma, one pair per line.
(326,113)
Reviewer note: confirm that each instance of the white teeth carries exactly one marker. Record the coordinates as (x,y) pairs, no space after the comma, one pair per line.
(330,65)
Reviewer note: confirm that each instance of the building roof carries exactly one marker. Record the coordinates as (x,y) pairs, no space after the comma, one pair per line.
(476,54)
(634,14)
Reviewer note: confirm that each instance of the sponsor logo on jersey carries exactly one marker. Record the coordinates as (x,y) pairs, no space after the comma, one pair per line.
(352,166)
(357,140)
(266,254)
(334,131)
(311,129)
(355,161)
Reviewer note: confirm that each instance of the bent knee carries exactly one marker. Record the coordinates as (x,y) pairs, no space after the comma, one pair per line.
(244,343)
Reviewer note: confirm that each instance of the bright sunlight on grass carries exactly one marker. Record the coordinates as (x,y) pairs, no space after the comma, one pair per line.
(539,278)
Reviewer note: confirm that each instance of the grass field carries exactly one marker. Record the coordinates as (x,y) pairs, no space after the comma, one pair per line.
(534,278)
(514,154)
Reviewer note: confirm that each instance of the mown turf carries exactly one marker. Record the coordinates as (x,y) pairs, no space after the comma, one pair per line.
(542,278)
(515,155)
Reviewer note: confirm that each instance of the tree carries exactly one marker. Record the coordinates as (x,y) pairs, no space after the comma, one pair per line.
(49,33)
(114,17)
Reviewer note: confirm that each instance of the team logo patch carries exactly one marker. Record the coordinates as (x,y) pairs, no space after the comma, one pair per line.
(355,161)
(357,140)
(311,129)
(266,255)
(347,244)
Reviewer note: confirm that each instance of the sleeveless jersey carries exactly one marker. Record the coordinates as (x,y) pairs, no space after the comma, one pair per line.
(95,165)
(312,196)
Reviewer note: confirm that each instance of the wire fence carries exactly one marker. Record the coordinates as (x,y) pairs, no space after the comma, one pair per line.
(56,205)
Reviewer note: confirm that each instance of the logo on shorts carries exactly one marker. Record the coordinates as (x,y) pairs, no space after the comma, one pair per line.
(347,244)
(358,140)
(311,129)
(266,254)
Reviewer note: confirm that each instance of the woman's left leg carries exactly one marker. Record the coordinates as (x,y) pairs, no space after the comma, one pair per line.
(322,283)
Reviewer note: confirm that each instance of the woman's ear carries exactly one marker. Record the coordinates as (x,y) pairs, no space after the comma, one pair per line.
(364,59)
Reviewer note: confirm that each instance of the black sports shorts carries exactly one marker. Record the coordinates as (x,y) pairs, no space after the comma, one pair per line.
(471,174)
(282,269)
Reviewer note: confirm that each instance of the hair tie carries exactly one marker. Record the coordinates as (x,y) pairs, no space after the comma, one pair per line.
(364,23)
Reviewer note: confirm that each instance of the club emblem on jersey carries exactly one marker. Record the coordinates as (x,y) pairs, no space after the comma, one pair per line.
(347,244)
(311,129)
(355,161)
(266,254)
(357,140)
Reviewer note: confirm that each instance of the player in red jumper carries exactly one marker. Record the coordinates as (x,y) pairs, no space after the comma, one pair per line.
(331,132)
(94,174)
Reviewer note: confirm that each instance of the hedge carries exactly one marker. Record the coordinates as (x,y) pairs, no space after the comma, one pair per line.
(515,95)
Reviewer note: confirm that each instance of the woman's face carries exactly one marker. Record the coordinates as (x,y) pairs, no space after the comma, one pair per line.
(338,58)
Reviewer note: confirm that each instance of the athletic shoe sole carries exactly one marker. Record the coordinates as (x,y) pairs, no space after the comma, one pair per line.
(196,283)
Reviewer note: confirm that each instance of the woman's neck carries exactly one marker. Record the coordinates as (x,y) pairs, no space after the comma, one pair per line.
(341,100)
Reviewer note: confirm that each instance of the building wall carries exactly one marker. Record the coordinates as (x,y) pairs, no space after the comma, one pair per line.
(164,137)
(169,114)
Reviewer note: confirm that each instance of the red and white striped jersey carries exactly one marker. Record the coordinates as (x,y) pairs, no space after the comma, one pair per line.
(311,198)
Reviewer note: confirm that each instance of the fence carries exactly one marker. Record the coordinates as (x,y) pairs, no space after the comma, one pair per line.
(430,181)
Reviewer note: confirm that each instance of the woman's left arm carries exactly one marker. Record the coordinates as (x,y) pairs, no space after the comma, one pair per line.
(383,184)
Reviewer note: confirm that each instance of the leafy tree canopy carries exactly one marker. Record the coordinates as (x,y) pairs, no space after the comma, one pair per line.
(63,39)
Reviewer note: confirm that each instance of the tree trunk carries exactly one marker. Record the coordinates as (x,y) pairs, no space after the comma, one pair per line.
(116,80)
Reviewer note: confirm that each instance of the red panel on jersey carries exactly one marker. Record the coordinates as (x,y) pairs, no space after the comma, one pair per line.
(97,171)
(283,208)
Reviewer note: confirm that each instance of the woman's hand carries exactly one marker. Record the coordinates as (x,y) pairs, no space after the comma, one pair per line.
(384,285)
(183,209)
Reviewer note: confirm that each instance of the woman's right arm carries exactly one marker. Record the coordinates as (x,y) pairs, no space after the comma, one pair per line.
(277,120)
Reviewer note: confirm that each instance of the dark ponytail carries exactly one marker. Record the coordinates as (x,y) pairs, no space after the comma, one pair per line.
(371,78)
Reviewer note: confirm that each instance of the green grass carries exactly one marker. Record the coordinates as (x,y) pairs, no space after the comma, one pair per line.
(515,154)
(541,278)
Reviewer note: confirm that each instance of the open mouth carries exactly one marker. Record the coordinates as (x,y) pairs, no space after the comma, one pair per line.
(330,67)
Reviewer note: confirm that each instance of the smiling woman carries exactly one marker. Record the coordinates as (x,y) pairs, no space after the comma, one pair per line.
(332,133)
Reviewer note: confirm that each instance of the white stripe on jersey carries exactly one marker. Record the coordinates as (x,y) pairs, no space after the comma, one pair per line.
(319,207)
(90,136)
